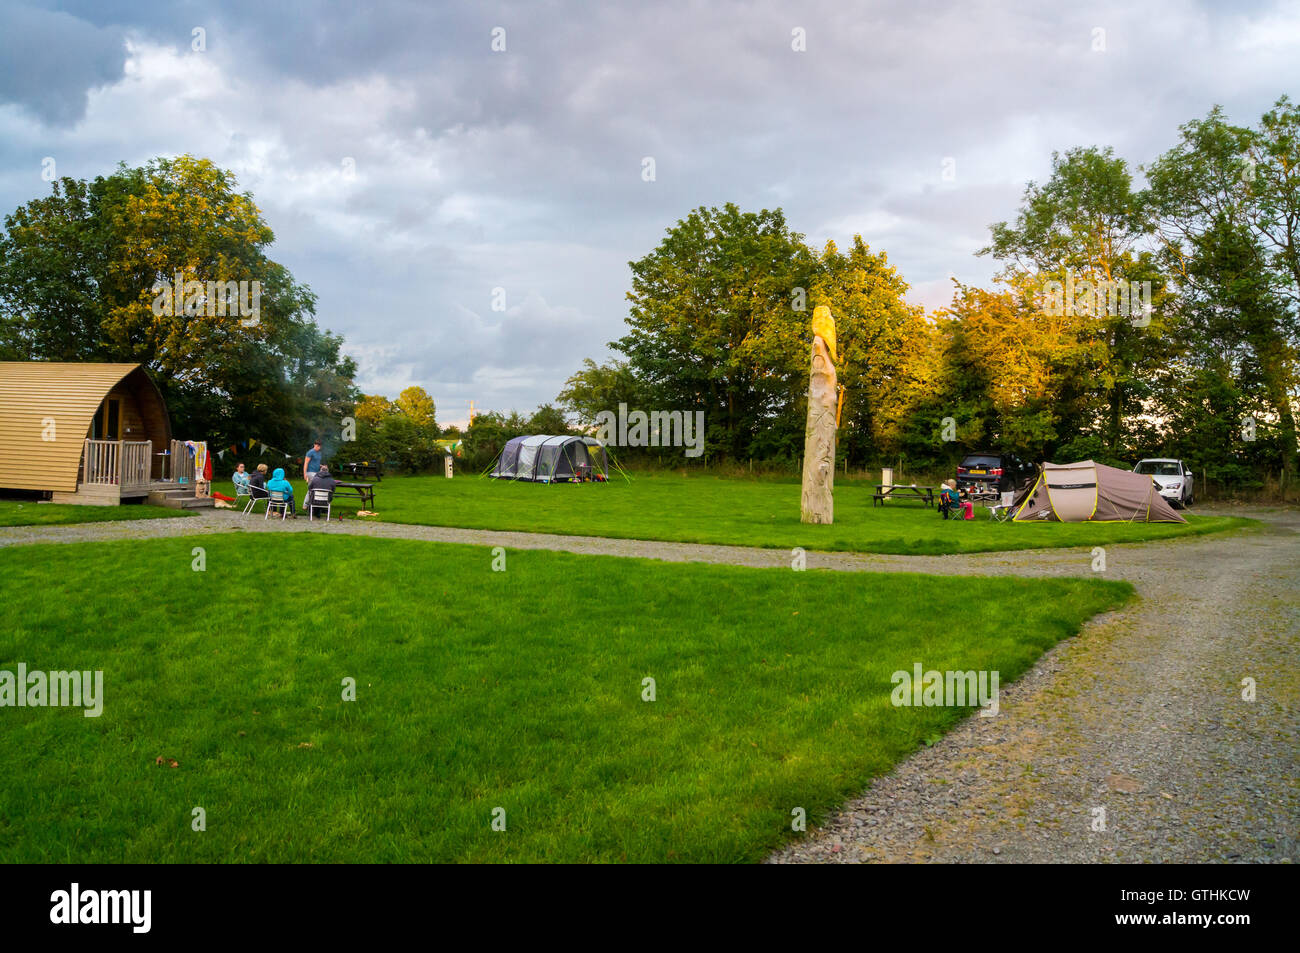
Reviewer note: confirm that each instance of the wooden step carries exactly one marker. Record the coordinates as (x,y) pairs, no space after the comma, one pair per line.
(179,500)
(193,503)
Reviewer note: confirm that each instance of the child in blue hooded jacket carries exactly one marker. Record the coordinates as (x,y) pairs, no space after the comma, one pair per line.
(278,483)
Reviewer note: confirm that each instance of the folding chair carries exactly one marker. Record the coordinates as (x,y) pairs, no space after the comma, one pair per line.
(277,501)
(318,500)
(1003,509)
(956,516)
(255,496)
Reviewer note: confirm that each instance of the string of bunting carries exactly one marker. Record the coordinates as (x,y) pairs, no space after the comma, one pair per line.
(239,445)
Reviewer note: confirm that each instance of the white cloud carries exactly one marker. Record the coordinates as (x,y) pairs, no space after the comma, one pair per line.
(471,170)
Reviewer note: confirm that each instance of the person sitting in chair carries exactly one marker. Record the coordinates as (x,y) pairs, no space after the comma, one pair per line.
(321,481)
(279,484)
(949,500)
(240,479)
(257,481)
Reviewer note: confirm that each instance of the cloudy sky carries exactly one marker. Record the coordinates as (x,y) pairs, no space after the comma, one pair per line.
(408,169)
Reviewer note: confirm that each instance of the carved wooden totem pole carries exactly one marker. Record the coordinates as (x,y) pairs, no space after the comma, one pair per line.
(818,505)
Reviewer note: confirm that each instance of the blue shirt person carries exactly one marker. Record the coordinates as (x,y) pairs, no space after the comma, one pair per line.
(311,462)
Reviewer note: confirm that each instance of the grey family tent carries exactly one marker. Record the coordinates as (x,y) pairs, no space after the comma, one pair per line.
(547,459)
(1088,492)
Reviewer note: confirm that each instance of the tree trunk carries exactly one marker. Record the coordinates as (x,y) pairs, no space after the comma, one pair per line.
(817,504)
(1272,364)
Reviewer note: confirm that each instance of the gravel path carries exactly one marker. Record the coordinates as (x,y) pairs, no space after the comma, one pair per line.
(1141,716)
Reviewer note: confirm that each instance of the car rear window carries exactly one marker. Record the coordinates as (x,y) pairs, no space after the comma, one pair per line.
(981,462)
(1158,469)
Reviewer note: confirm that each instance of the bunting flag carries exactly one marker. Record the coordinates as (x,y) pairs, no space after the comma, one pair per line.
(252,445)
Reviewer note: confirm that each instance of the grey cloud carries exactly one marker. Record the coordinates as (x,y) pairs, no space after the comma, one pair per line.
(522,169)
(50,60)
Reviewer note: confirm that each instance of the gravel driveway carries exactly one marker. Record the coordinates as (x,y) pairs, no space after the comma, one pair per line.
(1140,717)
(1131,742)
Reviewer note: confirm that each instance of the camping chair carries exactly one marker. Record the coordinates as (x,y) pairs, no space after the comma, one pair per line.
(255,496)
(1003,510)
(319,500)
(277,500)
(958,515)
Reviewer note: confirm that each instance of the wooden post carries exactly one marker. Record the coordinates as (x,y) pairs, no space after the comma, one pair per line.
(817,504)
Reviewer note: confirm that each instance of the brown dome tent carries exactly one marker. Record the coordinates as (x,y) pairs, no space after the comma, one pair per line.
(1088,492)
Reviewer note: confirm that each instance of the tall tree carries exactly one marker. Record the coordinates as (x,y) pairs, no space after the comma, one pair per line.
(145,265)
(700,306)
(417,406)
(1227,205)
(373,408)
(596,388)
(1087,229)
(881,339)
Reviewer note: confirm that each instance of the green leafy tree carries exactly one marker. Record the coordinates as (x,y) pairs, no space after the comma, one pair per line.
(1227,204)
(373,408)
(700,335)
(417,406)
(601,387)
(883,343)
(487,435)
(548,419)
(1087,224)
(87,274)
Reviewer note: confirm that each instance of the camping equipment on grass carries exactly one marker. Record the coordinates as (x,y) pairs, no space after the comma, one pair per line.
(550,459)
(1086,492)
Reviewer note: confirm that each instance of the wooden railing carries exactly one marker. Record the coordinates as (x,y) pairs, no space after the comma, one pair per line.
(137,459)
(120,463)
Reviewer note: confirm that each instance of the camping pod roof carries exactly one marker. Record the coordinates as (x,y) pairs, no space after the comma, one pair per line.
(34,393)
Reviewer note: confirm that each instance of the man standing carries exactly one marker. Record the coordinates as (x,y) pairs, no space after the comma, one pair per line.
(311,463)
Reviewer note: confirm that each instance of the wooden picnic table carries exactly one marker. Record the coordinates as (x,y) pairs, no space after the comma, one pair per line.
(907,492)
(365,492)
(360,469)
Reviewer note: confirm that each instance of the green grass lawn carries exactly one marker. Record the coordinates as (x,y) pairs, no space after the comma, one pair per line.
(476,689)
(706,509)
(13,513)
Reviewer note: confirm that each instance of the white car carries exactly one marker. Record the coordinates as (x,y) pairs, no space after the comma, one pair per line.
(1173,478)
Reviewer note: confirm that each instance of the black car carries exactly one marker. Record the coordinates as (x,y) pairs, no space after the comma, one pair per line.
(993,472)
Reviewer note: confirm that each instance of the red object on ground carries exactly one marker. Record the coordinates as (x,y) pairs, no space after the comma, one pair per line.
(968,508)
(222,496)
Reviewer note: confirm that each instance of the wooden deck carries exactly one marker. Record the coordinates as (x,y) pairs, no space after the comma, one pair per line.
(111,471)
(115,470)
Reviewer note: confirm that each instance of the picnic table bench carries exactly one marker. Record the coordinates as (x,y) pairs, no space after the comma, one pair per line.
(365,492)
(906,492)
(360,470)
